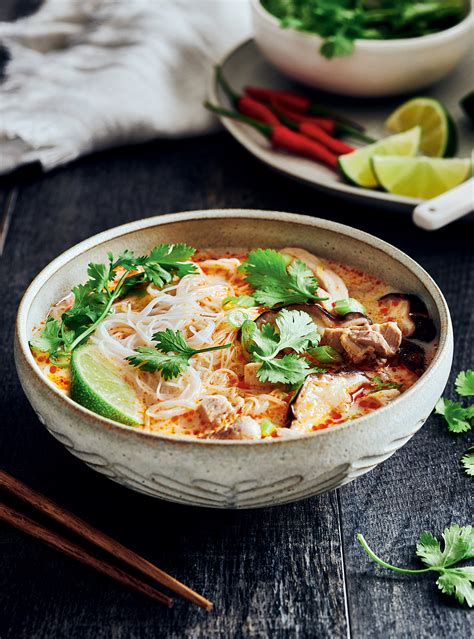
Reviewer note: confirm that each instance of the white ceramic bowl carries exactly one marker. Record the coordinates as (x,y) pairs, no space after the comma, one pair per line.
(376,67)
(233,474)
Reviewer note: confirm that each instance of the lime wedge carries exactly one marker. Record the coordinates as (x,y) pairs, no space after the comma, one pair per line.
(356,166)
(438,132)
(96,384)
(420,177)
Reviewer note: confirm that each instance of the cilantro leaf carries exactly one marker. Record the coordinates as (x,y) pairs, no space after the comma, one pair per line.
(170,356)
(458,546)
(377,384)
(296,330)
(50,338)
(289,369)
(467,461)
(455,414)
(275,284)
(458,582)
(465,383)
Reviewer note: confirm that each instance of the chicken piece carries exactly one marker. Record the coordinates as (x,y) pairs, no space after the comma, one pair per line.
(364,343)
(244,427)
(213,408)
(250,375)
(329,281)
(411,315)
(324,399)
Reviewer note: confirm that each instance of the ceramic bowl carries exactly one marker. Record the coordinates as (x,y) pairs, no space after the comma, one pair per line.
(233,474)
(375,68)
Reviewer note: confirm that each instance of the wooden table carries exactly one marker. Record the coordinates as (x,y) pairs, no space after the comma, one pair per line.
(291,571)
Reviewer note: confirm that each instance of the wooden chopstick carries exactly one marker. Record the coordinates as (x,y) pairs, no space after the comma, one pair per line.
(30,527)
(41,503)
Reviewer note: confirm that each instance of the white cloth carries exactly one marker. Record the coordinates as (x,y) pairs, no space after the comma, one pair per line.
(90,74)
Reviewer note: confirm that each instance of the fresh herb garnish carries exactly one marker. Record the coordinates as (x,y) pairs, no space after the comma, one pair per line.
(243,301)
(277,283)
(468,461)
(456,415)
(377,384)
(458,546)
(170,356)
(106,284)
(326,355)
(341,22)
(465,383)
(295,330)
(349,305)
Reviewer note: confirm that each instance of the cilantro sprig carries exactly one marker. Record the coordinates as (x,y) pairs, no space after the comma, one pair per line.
(294,330)
(106,284)
(170,355)
(458,546)
(467,460)
(278,282)
(458,417)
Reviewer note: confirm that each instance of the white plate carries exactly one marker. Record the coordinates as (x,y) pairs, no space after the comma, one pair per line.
(245,65)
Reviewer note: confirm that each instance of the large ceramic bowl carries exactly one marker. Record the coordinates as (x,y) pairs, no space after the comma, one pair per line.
(233,474)
(375,68)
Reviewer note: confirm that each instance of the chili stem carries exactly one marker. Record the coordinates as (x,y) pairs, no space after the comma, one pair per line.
(265,129)
(228,90)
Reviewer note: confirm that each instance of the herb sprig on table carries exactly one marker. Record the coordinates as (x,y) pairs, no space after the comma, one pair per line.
(341,22)
(458,546)
(106,284)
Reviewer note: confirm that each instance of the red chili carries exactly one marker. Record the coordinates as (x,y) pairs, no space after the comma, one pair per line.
(315,132)
(254,109)
(285,138)
(286,98)
(327,124)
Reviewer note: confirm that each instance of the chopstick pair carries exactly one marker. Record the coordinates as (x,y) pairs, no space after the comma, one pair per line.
(18,489)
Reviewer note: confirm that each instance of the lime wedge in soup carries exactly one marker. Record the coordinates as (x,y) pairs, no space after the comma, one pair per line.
(96,384)
(356,166)
(438,131)
(420,177)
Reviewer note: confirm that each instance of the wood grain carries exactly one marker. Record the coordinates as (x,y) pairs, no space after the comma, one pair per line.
(273,572)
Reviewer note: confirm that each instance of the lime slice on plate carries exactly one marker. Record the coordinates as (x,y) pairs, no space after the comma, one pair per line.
(356,166)
(419,177)
(97,385)
(438,132)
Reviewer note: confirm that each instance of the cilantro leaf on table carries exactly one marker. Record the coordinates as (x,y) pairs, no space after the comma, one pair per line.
(457,416)
(277,283)
(458,546)
(467,460)
(170,356)
(108,282)
(465,383)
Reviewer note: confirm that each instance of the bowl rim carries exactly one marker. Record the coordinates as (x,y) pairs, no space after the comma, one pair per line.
(376,44)
(42,278)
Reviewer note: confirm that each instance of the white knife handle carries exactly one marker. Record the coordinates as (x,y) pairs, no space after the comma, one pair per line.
(444,209)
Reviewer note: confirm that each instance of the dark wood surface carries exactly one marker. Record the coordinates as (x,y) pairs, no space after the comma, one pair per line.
(292,571)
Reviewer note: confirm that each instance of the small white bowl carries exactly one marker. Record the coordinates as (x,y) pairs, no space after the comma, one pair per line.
(376,67)
(233,473)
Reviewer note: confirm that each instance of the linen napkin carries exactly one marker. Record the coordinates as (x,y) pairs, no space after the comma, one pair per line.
(85,75)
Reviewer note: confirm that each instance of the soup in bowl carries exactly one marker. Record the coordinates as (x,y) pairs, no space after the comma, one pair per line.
(249,362)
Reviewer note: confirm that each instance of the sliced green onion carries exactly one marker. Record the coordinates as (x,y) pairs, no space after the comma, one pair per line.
(267,427)
(246,335)
(243,301)
(326,355)
(237,317)
(349,305)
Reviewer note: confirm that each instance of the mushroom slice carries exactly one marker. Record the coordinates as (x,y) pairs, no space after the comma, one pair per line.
(411,315)
(320,316)
(325,399)
(412,356)
(328,280)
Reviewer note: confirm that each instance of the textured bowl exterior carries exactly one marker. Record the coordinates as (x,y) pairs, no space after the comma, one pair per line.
(375,68)
(233,474)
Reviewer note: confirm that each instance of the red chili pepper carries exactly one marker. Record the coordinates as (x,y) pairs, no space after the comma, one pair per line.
(315,132)
(246,104)
(300,106)
(254,109)
(328,124)
(283,137)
